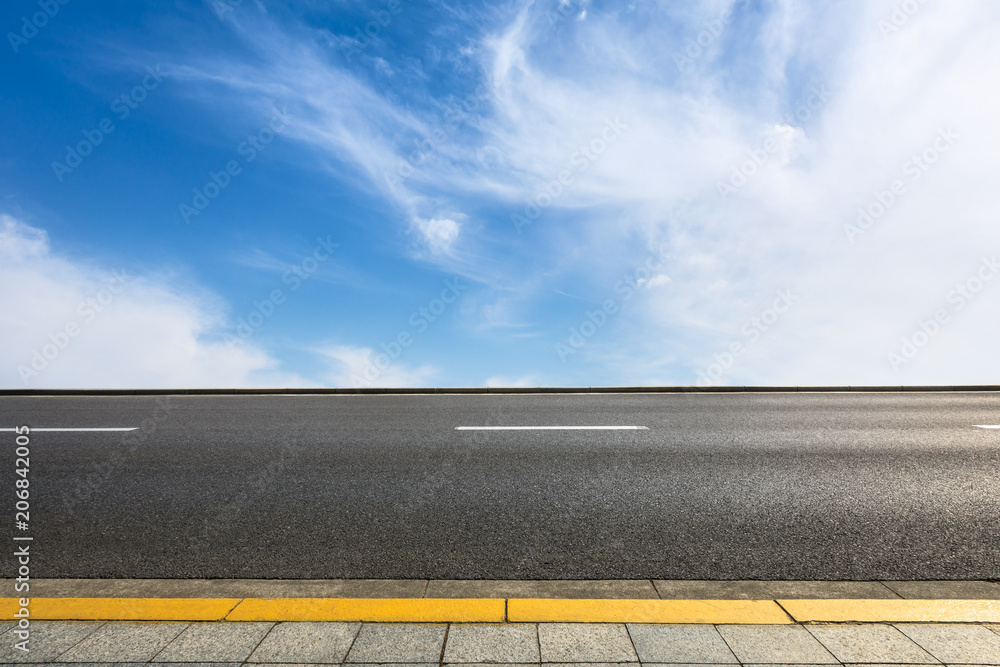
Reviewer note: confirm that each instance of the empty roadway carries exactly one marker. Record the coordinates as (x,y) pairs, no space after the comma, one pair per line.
(829,486)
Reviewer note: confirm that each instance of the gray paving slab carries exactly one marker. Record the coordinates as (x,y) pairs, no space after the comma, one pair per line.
(945,590)
(124,642)
(48,640)
(593,664)
(955,643)
(491,642)
(770,644)
(614,589)
(679,644)
(214,642)
(870,644)
(398,642)
(585,642)
(306,642)
(489,664)
(770,590)
(396,664)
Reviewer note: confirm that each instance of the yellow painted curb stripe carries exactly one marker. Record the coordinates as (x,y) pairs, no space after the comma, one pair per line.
(123,609)
(423,610)
(646,611)
(492,610)
(894,611)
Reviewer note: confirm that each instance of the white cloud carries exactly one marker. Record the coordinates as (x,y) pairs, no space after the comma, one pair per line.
(785,226)
(366,367)
(19,241)
(67,323)
(552,93)
(506,381)
(438,233)
(659,280)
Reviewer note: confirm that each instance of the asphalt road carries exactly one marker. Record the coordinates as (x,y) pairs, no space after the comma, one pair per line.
(720,486)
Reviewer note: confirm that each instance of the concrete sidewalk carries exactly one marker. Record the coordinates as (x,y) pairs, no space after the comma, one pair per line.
(427,645)
(475,623)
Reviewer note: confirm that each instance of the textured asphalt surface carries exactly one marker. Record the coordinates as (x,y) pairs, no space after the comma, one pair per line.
(721,486)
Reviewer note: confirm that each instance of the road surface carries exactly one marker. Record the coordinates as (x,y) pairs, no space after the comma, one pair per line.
(824,486)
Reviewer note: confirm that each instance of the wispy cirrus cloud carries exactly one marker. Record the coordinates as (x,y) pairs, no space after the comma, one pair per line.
(750,160)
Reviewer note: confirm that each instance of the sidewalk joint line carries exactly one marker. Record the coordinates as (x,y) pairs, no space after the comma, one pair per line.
(274,624)
(538,640)
(782,608)
(100,625)
(891,590)
(225,616)
(354,640)
(167,645)
(632,641)
(725,641)
(444,644)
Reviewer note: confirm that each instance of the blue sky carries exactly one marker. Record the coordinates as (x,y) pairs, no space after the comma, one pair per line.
(571,192)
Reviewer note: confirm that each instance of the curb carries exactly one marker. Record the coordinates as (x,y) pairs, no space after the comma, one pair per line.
(337,391)
(508,610)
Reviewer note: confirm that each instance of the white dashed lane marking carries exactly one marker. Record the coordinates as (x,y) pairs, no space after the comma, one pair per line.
(73,430)
(551,428)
